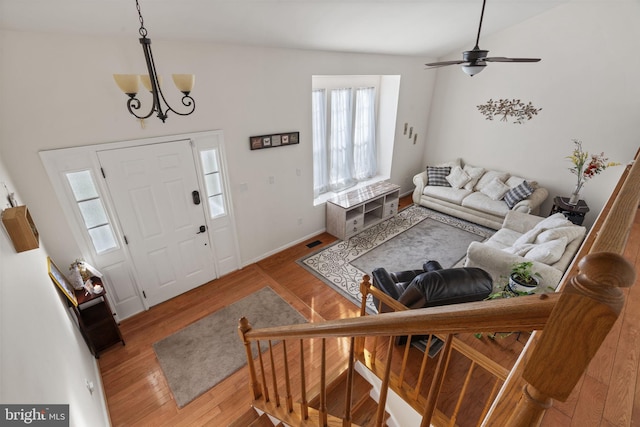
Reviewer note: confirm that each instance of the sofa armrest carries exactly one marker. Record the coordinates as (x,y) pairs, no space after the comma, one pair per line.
(420,181)
(520,222)
(532,203)
(498,264)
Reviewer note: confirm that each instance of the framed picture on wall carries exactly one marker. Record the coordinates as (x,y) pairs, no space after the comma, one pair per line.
(259,142)
(61,282)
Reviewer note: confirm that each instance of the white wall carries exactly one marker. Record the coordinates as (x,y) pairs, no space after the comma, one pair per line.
(57,91)
(43,357)
(586,85)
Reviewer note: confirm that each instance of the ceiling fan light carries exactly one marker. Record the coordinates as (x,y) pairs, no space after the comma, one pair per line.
(473,69)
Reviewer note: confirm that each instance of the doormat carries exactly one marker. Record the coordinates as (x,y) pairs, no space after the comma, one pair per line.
(206,352)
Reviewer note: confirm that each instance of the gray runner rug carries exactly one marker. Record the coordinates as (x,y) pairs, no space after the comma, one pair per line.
(404,242)
(206,352)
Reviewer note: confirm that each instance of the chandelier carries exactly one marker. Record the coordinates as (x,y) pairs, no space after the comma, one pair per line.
(129,83)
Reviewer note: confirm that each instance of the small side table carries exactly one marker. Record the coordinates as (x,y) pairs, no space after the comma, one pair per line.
(574,213)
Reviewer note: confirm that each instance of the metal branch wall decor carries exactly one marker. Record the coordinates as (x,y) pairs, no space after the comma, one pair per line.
(505,108)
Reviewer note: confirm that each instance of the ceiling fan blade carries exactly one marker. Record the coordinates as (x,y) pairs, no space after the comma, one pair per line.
(444,63)
(503,59)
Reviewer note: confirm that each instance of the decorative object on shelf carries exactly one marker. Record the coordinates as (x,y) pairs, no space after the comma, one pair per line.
(522,279)
(585,167)
(275,140)
(128,83)
(509,108)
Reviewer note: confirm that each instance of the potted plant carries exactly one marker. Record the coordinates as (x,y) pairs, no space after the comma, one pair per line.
(522,278)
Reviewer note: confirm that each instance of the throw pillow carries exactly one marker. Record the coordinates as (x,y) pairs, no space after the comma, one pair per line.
(475,174)
(514,181)
(549,252)
(496,189)
(488,176)
(570,233)
(457,178)
(437,175)
(518,193)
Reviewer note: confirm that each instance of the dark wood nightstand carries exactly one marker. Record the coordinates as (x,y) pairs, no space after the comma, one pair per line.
(96,322)
(574,213)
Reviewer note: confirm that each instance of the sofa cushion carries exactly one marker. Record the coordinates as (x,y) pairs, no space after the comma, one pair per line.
(458,177)
(517,193)
(489,176)
(504,238)
(475,173)
(548,252)
(483,203)
(496,189)
(449,194)
(437,175)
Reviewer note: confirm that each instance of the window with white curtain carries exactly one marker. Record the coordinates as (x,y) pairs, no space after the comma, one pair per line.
(344,136)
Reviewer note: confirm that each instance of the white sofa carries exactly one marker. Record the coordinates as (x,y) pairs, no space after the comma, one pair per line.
(474,193)
(549,243)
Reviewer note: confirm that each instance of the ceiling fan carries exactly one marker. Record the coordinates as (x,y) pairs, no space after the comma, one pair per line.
(474,60)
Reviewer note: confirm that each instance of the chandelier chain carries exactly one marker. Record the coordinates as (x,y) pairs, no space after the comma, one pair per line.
(142,30)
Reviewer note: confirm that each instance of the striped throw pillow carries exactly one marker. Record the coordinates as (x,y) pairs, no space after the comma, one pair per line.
(437,175)
(517,193)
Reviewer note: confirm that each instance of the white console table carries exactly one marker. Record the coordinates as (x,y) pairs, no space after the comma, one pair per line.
(356,210)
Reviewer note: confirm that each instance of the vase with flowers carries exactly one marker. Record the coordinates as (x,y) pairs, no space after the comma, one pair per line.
(585,167)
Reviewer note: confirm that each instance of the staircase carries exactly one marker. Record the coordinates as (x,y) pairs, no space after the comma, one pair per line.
(569,326)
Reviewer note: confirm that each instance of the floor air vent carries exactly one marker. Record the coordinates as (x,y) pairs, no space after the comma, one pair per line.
(314,243)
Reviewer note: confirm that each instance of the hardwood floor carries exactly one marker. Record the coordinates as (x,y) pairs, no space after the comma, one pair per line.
(137,393)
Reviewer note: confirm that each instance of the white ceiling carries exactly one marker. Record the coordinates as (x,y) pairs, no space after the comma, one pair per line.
(428,28)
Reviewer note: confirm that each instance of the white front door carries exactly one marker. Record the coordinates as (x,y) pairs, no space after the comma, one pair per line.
(152,188)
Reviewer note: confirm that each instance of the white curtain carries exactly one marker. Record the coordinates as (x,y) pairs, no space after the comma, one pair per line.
(320,161)
(364,136)
(340,141)
(348,153)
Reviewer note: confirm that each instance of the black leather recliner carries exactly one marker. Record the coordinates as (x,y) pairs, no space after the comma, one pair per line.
(430,287)
(434,286)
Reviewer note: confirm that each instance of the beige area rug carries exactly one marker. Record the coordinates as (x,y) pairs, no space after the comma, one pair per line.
(404,242)
(206,352)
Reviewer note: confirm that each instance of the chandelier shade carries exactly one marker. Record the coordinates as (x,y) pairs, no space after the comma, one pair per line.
(129,84)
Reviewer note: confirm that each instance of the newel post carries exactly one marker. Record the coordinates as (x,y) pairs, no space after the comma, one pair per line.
(365,285)
(583,316)
(254,387)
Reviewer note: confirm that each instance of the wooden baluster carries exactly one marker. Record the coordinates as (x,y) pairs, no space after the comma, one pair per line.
(322,411)
(423,369)
(365,285)
(436,383)
(346,420)
(405,358)
(265,385)
(384,388)
(287,383)
(583,316)
(254,387)
(274,380)
(465,385)
(492,396)
(304,405)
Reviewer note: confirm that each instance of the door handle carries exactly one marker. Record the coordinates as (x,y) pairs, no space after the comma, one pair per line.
(202,229)
(195,194)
